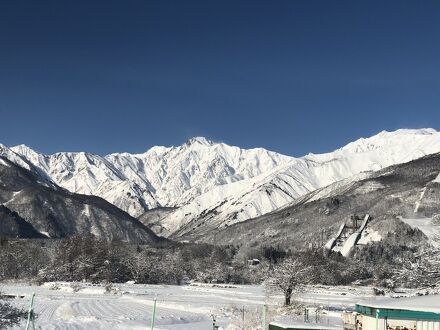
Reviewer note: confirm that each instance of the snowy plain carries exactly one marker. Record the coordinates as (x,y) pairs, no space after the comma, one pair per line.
(178,307)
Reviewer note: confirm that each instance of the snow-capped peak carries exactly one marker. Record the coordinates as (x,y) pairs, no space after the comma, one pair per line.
(199,140)
(162,176)
(217,184)
(27,152)
(22,148)
(409,131)
(250,198)
(14,157)
(390,140)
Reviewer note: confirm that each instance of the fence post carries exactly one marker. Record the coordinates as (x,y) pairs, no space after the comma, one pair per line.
(214,322)
(263,319)
(153,317)
(31,314)
(242,311)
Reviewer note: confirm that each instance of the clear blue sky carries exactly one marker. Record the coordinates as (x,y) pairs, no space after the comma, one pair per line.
(290,76)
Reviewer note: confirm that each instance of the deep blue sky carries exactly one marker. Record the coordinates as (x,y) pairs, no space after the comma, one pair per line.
(290,76)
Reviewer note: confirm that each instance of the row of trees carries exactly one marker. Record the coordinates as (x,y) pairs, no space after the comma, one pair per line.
(402,263)
(84,258)
(312,267)
(422,269)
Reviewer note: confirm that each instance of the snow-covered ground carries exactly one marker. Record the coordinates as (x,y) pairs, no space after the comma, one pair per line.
(178,307)
(437,179)
(427,225)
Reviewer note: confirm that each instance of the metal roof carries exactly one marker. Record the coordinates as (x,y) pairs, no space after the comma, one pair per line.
(421,307)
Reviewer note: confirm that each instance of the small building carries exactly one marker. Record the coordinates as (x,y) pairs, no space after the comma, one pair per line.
(253,262)
(415,313)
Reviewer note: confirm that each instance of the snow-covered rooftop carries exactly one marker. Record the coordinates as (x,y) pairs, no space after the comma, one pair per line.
(430,304)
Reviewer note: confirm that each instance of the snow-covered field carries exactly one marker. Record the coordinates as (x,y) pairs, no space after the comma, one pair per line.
(178,307)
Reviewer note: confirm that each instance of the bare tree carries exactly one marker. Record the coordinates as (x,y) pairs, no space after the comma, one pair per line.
(288,277)
(422,269)
(138,265)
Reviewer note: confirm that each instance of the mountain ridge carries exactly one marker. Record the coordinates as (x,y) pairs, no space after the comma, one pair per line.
(402,201)
(212,184)
(141,175)
(30,208)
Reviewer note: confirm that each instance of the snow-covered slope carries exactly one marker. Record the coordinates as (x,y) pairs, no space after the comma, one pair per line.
(213,184)
(388,196)
(162,176)
(267,192)
(31,208)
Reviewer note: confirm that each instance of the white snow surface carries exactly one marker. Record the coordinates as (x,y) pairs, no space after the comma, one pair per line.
(331,243)
(349,244)
(437,179)
(353,239)
(13,157)
(430,303)
(369,236)
(295,324)
(178,307)
(159,177)
(230,184)
(2,162)
(417,205)
(428,226)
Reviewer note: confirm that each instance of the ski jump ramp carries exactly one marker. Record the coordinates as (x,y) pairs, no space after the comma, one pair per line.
(351,241)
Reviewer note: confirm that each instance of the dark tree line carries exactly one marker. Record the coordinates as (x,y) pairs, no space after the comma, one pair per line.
(85,258)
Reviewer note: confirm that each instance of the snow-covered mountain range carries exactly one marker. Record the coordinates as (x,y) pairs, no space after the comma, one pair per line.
(162,176)
(401,201)
(203,184)
(32,207)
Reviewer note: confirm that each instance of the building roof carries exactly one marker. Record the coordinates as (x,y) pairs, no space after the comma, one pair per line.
(430,303)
